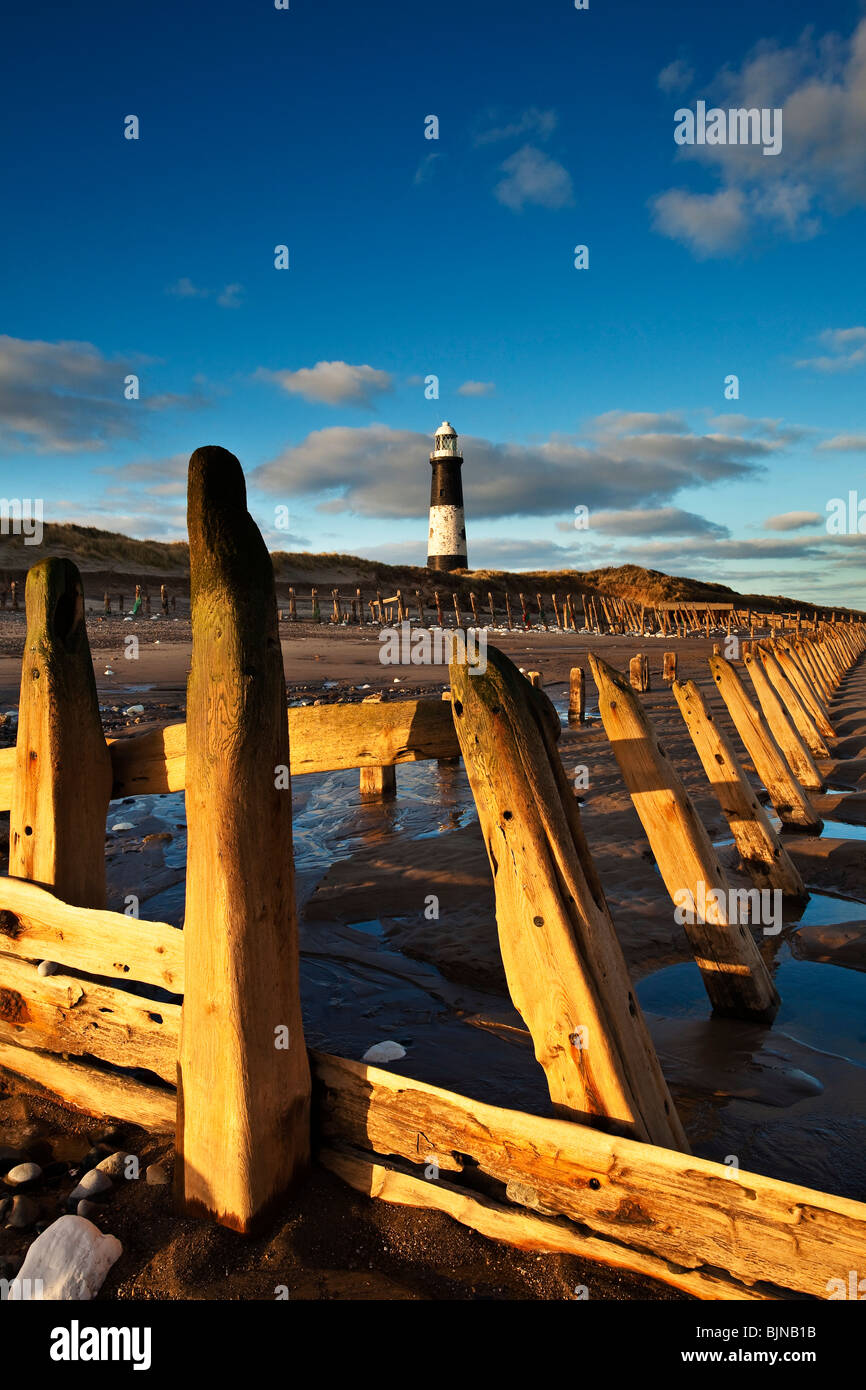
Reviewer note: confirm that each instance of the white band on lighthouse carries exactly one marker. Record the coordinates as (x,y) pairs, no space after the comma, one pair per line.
(447,532)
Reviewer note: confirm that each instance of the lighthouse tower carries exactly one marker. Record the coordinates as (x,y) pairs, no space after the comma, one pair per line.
(446,544)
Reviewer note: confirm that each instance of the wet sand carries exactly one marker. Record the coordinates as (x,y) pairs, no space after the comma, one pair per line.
(787,1101)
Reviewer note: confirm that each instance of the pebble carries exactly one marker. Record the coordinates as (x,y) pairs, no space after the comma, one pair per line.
(47,967)
(157,1175)
(93,1184)
(90,1210)
(384,1052)
(134,709)
(71,1257)
(24,1212)
(23,1174)
(114,1165)
(123,825)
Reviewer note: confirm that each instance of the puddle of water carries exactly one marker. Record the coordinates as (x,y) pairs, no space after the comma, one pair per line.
(841,830)
(824,909)
(823,1006)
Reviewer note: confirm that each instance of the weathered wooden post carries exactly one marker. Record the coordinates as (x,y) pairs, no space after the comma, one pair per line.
(293,607)
(474,609)
(360,602)
(492,610)
(790,664)
(401,612)
(790,697)
(106,603)
(556,611)
(563,963)
(638,672)
(243,1082)
(13,587)
(793,806)
(508,612)
(378,783)
(458,621)
(761,850)
(419,604)
(734,974)
(576,696)
(243,1131)
(534,678)
(797,755)
(523,609)
(62,780)
(669,672)
(436,600)
(541,617)
(163,599)
(314,602)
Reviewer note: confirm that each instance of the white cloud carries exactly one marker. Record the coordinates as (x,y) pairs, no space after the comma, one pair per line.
(332,383)
(819,83)
(531,176)
(477,388)
(378,471)
(710,224)
(793,521)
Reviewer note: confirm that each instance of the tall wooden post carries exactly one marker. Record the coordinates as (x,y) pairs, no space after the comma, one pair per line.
(793,806)
(243,1132)
(474,608)
(765,857)
(62,780)
(734,974)
(293,607)
(457,619)
(669,672)
(438,603)
(508,612)
(378,783)
(797,755)
(638,671)
(492,609)
(523,609)
(576,696)
(563,963)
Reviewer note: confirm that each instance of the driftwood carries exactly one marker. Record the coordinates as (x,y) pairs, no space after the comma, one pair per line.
(576,696)
(767,861)
(62,774)
(697,1218)
(792,805)
(638,673)
(734,974)
(243,1077)
(562,960)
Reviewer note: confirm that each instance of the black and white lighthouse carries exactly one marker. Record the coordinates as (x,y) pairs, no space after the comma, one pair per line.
(446,544)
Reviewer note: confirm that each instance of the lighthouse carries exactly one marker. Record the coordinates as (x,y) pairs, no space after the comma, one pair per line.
(446,544)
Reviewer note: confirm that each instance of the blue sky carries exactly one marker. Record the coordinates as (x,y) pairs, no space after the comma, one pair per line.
(451,257)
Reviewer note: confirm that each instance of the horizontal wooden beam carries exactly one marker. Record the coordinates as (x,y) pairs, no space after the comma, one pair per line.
(34,925)
(517,1226)
(772,1237)
(96,1092)
(67,1014)
(322,738)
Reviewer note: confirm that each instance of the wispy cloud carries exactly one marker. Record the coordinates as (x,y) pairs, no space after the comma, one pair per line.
(229,297)
(532,121)
(847,349)
(477,388)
